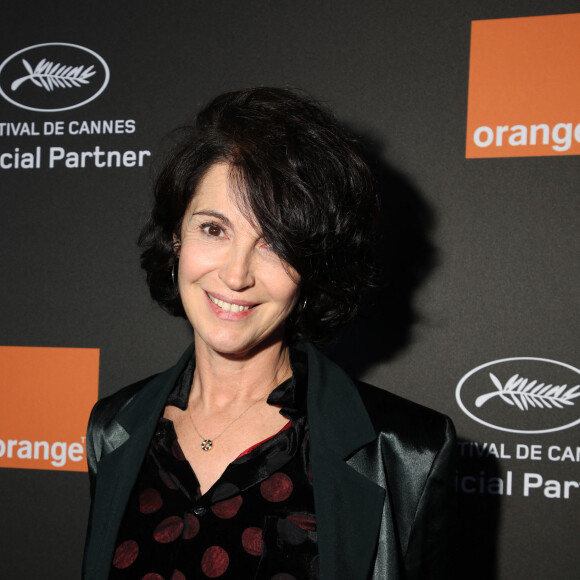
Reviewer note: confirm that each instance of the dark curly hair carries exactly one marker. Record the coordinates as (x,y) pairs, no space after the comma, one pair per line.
(299,177)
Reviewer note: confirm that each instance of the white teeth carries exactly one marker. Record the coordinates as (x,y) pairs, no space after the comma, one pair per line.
(226,306)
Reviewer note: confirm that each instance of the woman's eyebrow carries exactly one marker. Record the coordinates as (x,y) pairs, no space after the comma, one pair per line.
(214,214)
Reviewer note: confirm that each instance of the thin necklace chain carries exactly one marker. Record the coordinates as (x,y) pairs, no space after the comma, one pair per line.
(207,444)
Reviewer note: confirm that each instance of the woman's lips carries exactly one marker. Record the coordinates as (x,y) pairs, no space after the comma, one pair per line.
(235,307)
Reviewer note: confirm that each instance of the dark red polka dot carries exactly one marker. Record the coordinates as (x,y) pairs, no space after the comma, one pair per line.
(168,530)
(176,451)
(177,575)
(277,487)
(125,554)
(214,562)
(227,508)
(304,521)
(252,541)
(152,576)
(149,501)
(191,527)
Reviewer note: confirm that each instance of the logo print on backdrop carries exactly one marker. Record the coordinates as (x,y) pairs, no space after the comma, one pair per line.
(53,77)
(524,86)
(521,395)
(47,396)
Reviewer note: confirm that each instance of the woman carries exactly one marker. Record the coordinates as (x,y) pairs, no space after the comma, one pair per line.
(255,456)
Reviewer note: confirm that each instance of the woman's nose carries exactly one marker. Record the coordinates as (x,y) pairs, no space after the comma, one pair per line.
(236,271)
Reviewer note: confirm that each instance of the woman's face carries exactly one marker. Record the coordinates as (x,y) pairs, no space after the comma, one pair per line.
(235,290)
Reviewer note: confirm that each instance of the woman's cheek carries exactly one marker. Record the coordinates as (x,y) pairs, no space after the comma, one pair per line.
(199,257)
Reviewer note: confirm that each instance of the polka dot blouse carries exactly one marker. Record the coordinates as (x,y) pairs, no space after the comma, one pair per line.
(256,522)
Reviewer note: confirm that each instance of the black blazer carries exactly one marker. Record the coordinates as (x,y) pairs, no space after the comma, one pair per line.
(383,474)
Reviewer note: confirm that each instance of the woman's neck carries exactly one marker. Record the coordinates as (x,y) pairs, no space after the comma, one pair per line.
(220,380)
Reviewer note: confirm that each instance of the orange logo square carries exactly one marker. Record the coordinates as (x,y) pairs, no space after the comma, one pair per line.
(524,87)
(47,395)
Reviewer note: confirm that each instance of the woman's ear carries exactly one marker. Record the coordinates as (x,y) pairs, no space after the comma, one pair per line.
(176,245)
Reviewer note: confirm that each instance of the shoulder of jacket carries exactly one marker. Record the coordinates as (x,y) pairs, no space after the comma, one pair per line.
(102,417)
(108,408)
(390,413)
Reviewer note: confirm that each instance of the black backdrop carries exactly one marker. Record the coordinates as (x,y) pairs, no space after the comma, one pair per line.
(483,253)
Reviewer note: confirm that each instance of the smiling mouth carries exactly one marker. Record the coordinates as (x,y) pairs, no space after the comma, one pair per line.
(227,306)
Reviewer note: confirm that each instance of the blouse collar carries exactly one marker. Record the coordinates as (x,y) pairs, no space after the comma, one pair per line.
(290,395)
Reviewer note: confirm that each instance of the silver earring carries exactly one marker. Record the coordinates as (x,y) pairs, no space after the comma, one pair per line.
(173,277)
(176,248)
(301,311)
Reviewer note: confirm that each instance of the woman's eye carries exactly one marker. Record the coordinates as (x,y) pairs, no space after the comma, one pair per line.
(212,230)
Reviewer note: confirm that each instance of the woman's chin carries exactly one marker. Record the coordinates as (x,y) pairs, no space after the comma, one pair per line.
(237,346)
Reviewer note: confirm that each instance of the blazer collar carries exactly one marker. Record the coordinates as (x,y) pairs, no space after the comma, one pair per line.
(333,403)
(348,505)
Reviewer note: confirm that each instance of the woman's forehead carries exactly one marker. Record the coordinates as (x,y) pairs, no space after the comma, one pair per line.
(217,193)
(222,187)
(214,183)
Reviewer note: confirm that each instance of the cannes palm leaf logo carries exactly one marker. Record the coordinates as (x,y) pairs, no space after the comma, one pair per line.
(49,75)
(524,394)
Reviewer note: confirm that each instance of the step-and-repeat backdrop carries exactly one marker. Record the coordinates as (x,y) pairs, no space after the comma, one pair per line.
(470,115)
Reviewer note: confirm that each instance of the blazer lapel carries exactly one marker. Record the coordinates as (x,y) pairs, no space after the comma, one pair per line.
(370,462)
(349,506)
